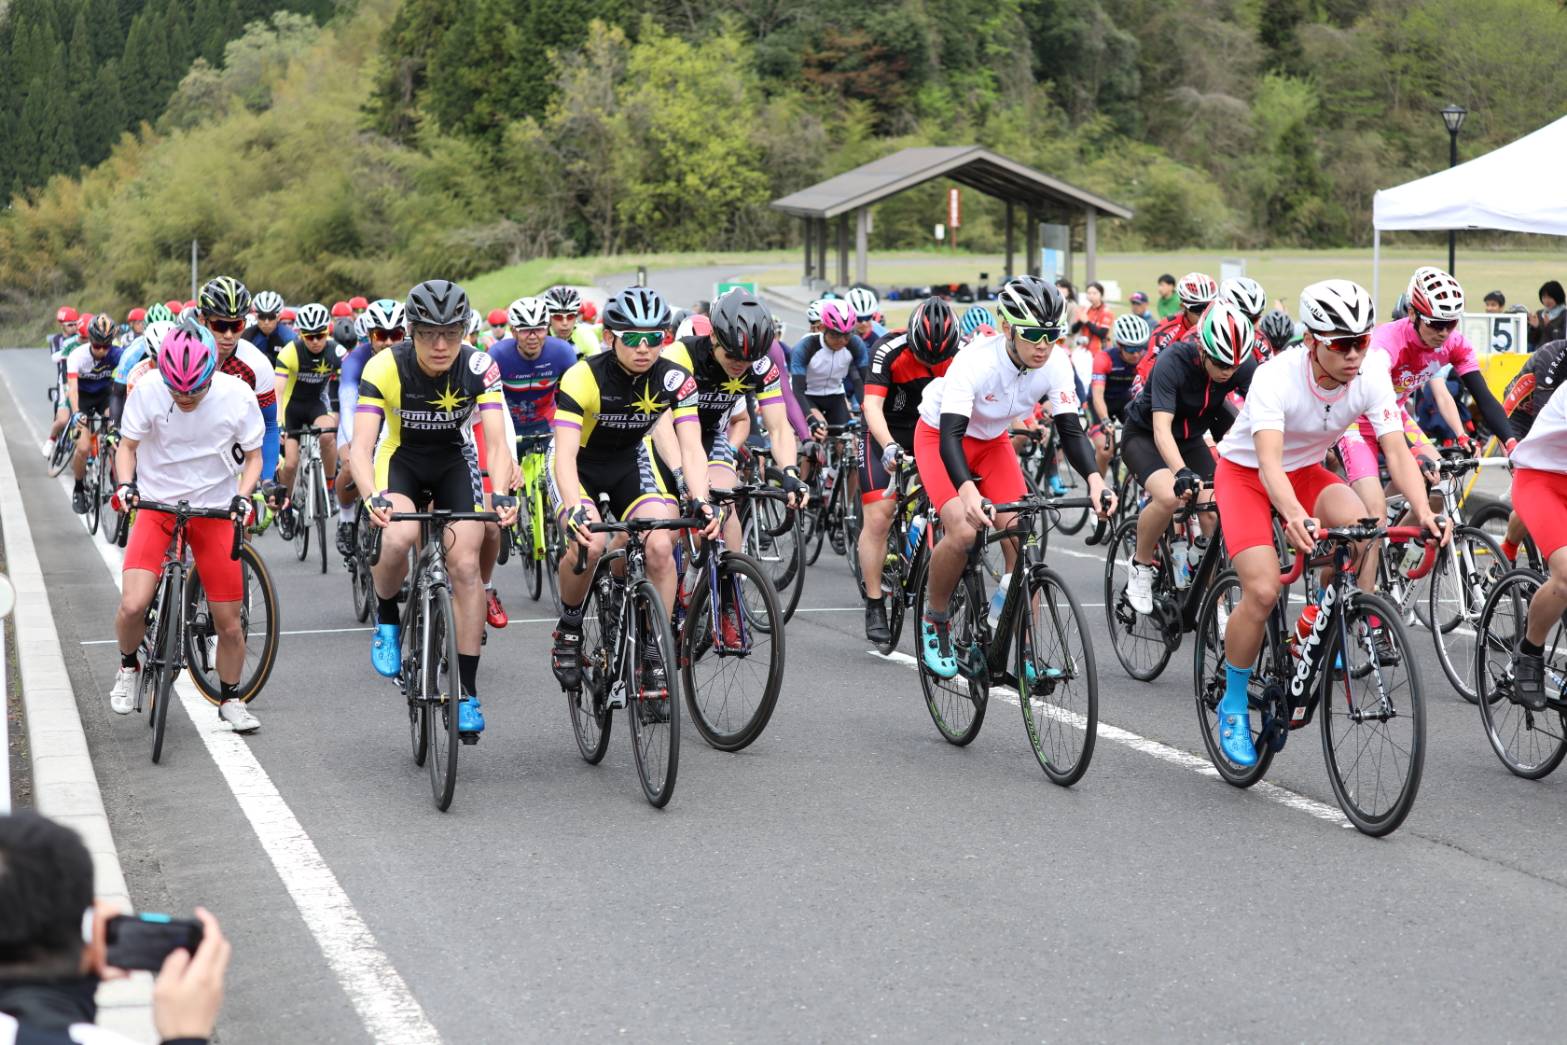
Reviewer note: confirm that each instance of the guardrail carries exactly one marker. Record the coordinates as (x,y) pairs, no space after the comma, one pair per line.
(7,600)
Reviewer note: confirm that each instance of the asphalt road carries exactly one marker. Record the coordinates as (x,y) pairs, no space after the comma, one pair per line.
(850,876)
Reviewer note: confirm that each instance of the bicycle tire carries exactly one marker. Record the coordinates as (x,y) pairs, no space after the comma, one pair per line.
(958,724)
(532,564)
(359,566)
(319,510)
(770,524)
(170,627)
(410,682)
(655,742)
(1208,678)
(94,490)
(441,690)
(1510,728)
(301,533)
(109,526)
(711,718)
(1493,518)
(1071,520)
(1138,644)
(813,527)
(896,602)
(1462,578)
(258,664)
(590,717)
(1047,668)
(60,456)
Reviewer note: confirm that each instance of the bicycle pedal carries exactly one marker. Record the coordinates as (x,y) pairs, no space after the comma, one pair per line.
(468,739)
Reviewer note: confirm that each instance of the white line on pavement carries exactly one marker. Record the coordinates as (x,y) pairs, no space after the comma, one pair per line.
(1163,752)
(376,990)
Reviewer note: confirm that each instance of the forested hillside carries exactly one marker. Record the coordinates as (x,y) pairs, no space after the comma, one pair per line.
(456,135)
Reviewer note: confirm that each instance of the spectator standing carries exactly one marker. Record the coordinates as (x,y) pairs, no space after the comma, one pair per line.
(1168,303)
(1550,322)
(1092,318)
(1140,307)
(1495,301)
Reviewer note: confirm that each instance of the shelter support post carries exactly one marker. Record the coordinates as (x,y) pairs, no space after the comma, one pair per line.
(1376,267)
(862,218)
(808,225)
(1031,241)
(843,250)
(1011,269)
(1090,244)
(821,249)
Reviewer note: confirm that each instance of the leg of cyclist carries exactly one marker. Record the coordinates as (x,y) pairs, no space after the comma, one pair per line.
(223,579)
(347,499)
(875,521)
(328,446)
(1541,500)
(387,577)
(137,587)
(463,543)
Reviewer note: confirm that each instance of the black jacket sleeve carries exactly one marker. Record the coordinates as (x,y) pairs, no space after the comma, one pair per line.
(1490,409)
(953,427)
(1074,443)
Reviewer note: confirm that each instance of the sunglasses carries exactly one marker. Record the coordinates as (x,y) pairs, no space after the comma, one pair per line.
(395,334)
(1035,335)
(452,335)
(318,335)
(1439,324)
(195,393)
(530,331)
(641,338)
(1344,344)
(225,326)
(563,315)
(266,317)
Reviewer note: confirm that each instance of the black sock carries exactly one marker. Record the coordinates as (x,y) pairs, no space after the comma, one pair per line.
(571,615)
(1530,649)
(386,611)
(468,672)
(128,660)
(81,484)
(937,618)
(228,690)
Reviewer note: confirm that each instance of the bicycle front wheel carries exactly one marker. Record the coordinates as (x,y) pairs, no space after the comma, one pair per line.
(441,689)
(733,667)
(590,717)
(1057,681)
(1465,572)
(1373,715)
(60,456)
(359,566)
(654,708)
(259,624)
(170,627)
(1138,640)
(95,473)
(1531,744)
(318,509)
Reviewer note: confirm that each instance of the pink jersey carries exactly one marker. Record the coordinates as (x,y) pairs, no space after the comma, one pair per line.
(1413,364)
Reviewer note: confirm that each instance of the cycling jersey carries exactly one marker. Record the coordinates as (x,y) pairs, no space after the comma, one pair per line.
(134,353)
(93,375)
(271,345)
(1115,374)
(529,384)
(1411,363)
(583,341)
(614,408)
(426,413)
(899,380)
(248,364)
(986,386)
(350,367)
(717,392)
(1533,387)
(816,370)
(306,377)
(193,455)
(1180,385)
(1174,329)
(1545,447)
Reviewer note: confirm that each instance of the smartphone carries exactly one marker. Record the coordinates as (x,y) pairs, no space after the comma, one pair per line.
(143,941)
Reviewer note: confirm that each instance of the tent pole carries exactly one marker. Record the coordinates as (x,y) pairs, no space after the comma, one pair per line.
(1376,265)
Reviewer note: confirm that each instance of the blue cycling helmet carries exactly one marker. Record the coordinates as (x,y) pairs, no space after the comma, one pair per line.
(974,317)
(636,308)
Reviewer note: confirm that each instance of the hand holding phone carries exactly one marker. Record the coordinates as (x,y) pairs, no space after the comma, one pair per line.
(144,941)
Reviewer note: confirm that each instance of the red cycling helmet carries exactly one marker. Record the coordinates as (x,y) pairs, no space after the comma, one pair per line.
(287,315)
(192,303)
(66,314)
(175,305)
(358,304)
(342,310)
(82,323)
(590,312)
(137,315)
(497,317)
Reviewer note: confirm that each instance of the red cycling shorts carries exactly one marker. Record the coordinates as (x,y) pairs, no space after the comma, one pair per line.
(210,541)
(1540,499)
(1246,513)
(993,463)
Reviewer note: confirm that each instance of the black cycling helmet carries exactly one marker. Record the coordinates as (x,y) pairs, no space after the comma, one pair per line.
(437,303)
(742,325)
(1277,329)
(101,330)
(636,308)
(933,331)
(1401,307)
(562,301)
(224,297)
(343,332)
(1029,301)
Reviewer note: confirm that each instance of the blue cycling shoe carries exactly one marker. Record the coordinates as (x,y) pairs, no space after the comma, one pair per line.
(936,649)
(1235,739)
(386,650)
(1033,671)
(1057,487)
(469,718)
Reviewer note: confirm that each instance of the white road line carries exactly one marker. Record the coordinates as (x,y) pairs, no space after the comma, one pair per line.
(376,990)
(1163,752)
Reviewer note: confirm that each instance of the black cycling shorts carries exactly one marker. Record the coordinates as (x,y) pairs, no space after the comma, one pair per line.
(93,403)
(439,480)
(632,478)
(1142,455)
(835,407)
(302,413)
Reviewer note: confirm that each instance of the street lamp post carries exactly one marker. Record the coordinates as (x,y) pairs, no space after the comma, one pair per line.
(1453,117)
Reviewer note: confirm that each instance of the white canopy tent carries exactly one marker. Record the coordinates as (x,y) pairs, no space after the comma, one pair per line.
(1517,188)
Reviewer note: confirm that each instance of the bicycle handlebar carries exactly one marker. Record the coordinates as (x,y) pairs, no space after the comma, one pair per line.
(295,433)
(1366,531)
(184,510)
(437,515)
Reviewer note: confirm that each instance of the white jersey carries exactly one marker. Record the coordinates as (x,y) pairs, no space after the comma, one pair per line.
(1285,397)
(984,385)
(250,365)
(194,455)
(1545,447)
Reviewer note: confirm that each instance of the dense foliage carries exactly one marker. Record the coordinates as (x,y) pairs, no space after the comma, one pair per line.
(458,135)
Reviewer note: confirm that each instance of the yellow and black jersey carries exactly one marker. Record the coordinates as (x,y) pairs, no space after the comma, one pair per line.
(615,408)
(302,374)
(427,412)
(717,392)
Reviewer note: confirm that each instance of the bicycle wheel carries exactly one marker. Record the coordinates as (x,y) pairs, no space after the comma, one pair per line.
(1462,578)
(64,449)
(532,554)
(440,691)
(956,705)
(894,577)
(773,538)
(554,548)
(109,525)
(411,682)
(259,623)
(170,627)
(1057,680)
(1072,485)
(300,506)
(94,488)
(1137,637)
(1209,679)
(318,509)
(359,566)
(590,718)
(1530,744)
(813,525)
(1373,717)
(654,711)
(731,691)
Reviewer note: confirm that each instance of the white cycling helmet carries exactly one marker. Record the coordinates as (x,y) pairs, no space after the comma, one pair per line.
(381,314)
(863,302)
(1196,290)
(1337,306)
(267,303)
(312,318)
(156,331)
(1247,295)
(813,312)
(474,322)
(1433,294)
(528,313)
(1131,332)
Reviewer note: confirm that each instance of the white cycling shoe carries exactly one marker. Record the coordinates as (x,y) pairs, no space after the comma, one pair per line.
(1139,587)
(122,698)
(238,716)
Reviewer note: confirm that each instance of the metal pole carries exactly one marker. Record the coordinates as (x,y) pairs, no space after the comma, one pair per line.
(1452,234)
(193,270)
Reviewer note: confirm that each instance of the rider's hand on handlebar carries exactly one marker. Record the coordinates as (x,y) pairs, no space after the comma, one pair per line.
(505,507)
(1102,496)
(577,526)
(379,508)
(1433,523)
(891,454)
(1187,483)
(977,511)
(124,497)
(699,509)
(1300,529)
(795,488)
(240,509)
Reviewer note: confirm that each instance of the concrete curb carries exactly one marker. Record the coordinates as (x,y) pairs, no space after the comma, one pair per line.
(65,786)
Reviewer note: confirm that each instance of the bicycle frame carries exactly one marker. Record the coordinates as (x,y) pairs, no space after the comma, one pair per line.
(532,463)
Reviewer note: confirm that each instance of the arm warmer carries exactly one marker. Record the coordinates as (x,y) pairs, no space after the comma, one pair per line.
(953,426)
(1074,443)
(1490,409)
(269,442)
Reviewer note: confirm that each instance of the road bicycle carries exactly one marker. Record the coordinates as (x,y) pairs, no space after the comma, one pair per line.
(1037,644)
(1050,474)
(98,480)
(308,499)
(770,531)
(1370,700)
(1530,742)
(534,536)
(833,513)
(908,548)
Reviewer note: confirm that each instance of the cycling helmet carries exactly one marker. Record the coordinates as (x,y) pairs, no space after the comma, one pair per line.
(288,315)
(813,312)
(101,330)
(1247,294)
(1401,306)
(82,323)
(383,314)
(863,302)
(137,315)
(160,313)
(437,303)
(313,318)
(187,357)
(635,308)
(679,316)
(225,298)
(974,317)
(1337,306)
(66,314)
(590,312)
(1196,289)
(475,321)
(268,303)
(1225,333)
(1029,301)
(528,314)
(1277,329)
(175,306)
(497,317)
(933,331)
(837,318)
(344,334)
(742,325)
(562,301)
(1131,332)
(1433,294)
(358,303)
(361,331)
(341,310)
(154,335)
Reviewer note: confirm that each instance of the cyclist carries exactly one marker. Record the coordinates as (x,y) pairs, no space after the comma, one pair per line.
(189,434)
(1540,494)
(1271,461)
(565,307)
(605,408)
(423,390)
(60,346)
(1195,290)
(358,305)
(497,331)
(1277,332)
(903,365)
(821,364)
(1164,441)
(89,373)
(976,322)
(1526,398)
(384,324)
(306,374)
(1115,368)
(962,449)
(222,307)
(813,317)
(867,326)
(136,321)
(142,349)
(1247,295)
(269,333)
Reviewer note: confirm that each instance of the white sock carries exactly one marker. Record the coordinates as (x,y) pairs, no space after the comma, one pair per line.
(345,513)
(489,585)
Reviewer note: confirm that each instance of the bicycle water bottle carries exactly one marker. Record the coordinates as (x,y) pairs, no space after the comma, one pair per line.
(915,535)
(1414,554)
(1180,563)
(828,475)
(998,599)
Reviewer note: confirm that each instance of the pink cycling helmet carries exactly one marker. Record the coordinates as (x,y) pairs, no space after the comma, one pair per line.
(187,358)
(837,318)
